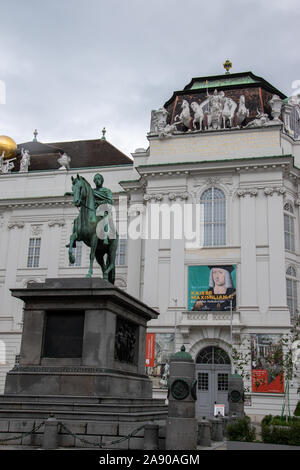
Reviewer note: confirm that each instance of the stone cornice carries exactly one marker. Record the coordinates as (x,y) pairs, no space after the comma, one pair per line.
(58,222)
(172,196)
(15,224)
(283,162)
(254,191)
(36,202)
(242,192)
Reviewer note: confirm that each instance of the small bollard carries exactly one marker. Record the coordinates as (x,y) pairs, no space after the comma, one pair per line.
(217,429)
(50,440)
(151,437)
(204,433)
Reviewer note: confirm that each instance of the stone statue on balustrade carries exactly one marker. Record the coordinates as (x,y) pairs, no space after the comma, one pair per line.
(6,165)
(25,161)
(159,124)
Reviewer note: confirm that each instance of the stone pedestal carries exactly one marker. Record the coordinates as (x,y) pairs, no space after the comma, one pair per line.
(236,396)
(181,425)
(81,337)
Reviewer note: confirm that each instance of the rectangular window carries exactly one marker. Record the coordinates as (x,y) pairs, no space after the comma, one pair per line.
(291,292)
(121,252)
(222,382)
(77,252)
(202,381)
(289,232)
(34,249)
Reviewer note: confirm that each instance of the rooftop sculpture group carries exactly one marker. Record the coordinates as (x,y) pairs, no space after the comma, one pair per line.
(217,111)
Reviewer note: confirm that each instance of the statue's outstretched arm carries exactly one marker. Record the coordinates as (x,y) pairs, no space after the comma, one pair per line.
(69,194)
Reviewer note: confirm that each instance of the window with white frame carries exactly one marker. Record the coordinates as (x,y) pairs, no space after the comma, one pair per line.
(121,252)
(77,253)
(213,212)
(291,293)
(34,249)
(289,227)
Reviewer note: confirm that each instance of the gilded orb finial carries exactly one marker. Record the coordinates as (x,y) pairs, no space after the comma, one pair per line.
(103,134)
(227,65)
(9,146)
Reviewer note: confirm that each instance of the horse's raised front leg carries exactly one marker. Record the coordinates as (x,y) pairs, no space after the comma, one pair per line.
(94,242)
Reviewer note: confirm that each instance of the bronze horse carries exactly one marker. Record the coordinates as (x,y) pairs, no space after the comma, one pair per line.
(85,229)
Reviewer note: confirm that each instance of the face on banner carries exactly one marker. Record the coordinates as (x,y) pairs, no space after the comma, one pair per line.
(266,356)
(212,287)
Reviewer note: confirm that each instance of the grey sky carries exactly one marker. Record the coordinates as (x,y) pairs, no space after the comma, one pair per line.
(73,66)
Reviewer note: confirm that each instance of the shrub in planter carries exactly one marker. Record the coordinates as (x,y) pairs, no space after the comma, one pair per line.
(241,430)
(266,420)
(275,434)
(294,439)
(287,433)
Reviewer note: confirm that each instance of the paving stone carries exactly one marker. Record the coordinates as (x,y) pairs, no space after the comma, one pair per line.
(126,428)
(65,440)
(21,425)
(120,445)
(8,435)
(4,423)
(162,444)
(91,439)
(136,443)
(110,429)
(76,427)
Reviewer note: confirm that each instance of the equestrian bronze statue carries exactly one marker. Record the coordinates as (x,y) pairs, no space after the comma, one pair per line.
(94,224)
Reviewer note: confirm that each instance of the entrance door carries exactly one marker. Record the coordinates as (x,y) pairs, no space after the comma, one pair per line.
(212,373)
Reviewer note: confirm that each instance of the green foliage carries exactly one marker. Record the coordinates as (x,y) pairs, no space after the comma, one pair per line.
(281,421)
(277,431)
(267,420)
(241,359)
(297,410)
(241,430)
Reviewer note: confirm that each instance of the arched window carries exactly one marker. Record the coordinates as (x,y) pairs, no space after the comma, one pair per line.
(212,355)
(289,227)
(213,205)
(291,293)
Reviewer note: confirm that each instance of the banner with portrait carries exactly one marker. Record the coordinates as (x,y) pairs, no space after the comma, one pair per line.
(266,360)
(212,287)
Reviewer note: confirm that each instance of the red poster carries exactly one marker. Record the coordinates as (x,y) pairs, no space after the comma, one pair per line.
(260,382)
(150,349)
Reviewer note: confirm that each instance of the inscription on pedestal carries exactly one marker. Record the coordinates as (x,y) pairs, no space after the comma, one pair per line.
(63,334)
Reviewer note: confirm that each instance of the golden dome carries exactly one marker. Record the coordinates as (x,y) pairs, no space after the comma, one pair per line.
(9,146)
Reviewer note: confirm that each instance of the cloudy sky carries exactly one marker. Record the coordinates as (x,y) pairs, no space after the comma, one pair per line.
(71,67)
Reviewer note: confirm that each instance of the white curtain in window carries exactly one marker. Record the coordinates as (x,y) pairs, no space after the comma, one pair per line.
(291,293)
(213,204)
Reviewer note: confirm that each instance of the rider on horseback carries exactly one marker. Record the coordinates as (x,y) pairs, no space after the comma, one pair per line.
(103,204)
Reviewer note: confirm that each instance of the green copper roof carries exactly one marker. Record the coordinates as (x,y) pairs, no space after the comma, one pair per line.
(182,356)
(224,81)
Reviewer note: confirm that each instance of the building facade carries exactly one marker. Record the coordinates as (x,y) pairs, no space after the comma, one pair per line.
(209,223)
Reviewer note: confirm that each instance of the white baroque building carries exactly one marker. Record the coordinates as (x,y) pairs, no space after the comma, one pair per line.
(229,144)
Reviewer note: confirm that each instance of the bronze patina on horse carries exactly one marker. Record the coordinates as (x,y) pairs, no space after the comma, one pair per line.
(94,225)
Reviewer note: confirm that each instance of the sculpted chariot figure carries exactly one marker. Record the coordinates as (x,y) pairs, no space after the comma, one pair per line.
(94,224)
